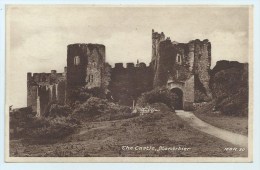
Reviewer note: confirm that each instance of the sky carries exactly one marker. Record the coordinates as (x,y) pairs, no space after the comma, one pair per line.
(37,36)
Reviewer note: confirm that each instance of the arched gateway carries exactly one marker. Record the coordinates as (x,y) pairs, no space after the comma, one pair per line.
(178,103)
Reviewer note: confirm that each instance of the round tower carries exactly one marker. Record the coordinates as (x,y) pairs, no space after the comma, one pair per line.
(84,64)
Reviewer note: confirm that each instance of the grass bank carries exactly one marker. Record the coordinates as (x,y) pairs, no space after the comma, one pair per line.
(236,124)
(107,138)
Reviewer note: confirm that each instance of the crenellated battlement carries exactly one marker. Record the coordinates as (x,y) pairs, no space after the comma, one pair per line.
(85,45)
(131,65)
(43,88)
(156,35)
(45,78)
(130,81)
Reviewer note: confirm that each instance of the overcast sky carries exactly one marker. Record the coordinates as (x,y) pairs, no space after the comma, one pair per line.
(39,35)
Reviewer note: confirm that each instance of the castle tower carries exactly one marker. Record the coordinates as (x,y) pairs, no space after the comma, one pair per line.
(32,91)
(156,39)
(95,67)
(85,64)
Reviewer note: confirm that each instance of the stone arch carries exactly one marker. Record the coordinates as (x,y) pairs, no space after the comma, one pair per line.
(178,103)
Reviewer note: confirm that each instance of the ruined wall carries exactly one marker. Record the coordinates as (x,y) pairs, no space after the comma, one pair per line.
(43,93)
(85,66)
(128,83)
(32,97)
(173,63)
(165,62)
(95,67)
(61,92)
(43,88)
(156,39)
(189,95)
(76,67)
(181,65)
(228,78)
(202,63)
(84,63)
(188,63)
(185,64)
(195,60)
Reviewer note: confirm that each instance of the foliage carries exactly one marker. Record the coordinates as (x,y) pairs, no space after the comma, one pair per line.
(230,90)
(82,94)
(59,110)
(25,125)
(158,95)
(236,104)
(101,109)
(93,106)
(20,119)
(51,129)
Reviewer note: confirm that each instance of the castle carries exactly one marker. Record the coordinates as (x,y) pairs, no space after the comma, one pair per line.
(182,67)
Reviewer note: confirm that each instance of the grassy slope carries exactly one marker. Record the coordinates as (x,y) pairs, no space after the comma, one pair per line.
(105,138)
(236,124)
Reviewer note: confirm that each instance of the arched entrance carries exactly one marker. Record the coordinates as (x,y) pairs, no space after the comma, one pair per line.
(178,96)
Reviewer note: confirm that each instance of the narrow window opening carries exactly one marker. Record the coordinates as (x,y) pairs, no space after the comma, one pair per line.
(76,60)
(89,78)
(179,58)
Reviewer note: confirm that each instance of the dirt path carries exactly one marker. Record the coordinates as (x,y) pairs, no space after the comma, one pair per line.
(198,124)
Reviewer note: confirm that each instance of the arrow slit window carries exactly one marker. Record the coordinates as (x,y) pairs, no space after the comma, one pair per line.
(76,60)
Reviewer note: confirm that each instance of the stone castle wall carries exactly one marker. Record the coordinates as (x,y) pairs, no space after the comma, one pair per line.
(156,39)
(202,63)
(85,67)
(184,66)
(85,63)
(178,62)
(44,88)
(128,83)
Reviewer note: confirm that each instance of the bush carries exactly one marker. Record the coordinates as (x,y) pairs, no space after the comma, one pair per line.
(230,109)
(158,95)
(82,94)
(26,126)
(57,124)
(118,112)
(235,104)
(93,106)
(101,109)
(59,110)
(20,119)
(48,130)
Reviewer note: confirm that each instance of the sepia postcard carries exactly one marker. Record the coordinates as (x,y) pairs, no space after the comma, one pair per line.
(129,83)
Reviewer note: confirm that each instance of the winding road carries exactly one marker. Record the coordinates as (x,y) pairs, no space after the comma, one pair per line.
(193,121)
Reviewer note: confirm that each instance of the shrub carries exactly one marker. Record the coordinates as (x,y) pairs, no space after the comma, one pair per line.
(233,104)
(20,119)
(56,125)
(59,110)
(158,95)
(101,109)
(82,94)
(48,130)
(93,106)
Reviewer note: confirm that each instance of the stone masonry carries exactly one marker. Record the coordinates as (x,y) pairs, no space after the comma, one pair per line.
(182,67)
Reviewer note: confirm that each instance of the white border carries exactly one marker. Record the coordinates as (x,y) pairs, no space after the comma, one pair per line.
(201,166)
